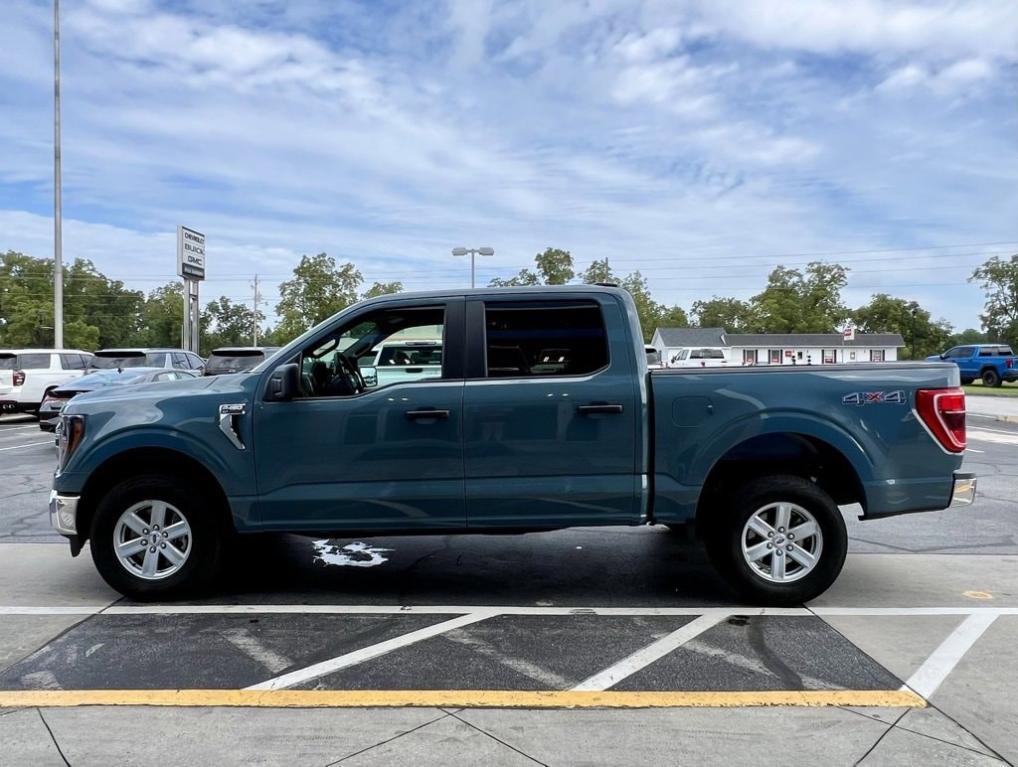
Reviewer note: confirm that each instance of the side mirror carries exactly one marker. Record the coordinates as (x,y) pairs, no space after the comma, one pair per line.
(284,383)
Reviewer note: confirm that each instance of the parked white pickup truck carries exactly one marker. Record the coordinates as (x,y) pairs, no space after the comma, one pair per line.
(402,362)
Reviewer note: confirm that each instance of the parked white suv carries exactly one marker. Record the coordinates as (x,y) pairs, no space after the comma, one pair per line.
(27,374)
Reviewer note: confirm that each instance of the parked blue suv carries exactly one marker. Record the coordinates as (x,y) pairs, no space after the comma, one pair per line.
(993,363)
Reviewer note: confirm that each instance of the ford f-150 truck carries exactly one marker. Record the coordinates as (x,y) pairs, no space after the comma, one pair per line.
(991,363)
(161,477)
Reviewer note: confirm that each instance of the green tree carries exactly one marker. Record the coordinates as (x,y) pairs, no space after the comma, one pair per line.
(652,314)
(967,336)
(383,289)
(163,316)
(998,278)
(733,315)
(555,266)
(802,302)
(599,271)
(522,278)
(225,323)
(887,314)
(319,289)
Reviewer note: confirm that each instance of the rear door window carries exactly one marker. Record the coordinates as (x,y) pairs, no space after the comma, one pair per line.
(33,361)
(157,360)
(72,362)
(180,361)
(559,338)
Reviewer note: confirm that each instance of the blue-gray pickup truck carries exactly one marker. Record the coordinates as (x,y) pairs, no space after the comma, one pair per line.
(545,416)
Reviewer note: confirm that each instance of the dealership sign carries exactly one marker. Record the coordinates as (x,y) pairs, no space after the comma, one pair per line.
(190,253)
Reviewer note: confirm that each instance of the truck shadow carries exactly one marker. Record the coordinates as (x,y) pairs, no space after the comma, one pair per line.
(596,567)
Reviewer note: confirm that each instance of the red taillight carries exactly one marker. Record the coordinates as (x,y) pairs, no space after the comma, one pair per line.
(1010,362)
(19,377)
(943,412)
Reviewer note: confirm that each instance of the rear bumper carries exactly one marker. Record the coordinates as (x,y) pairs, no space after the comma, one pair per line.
(964,491)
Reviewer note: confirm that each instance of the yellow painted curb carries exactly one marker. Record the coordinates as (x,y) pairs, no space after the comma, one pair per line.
(458,698)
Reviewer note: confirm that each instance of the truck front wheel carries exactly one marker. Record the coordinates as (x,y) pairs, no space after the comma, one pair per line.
(151,540)
(777,540)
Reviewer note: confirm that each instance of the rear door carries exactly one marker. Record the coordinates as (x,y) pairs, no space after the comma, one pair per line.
(551,412)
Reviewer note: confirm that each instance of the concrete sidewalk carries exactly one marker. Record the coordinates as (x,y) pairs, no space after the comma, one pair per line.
(1001,408)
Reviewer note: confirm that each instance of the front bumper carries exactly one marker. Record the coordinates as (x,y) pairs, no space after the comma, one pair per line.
(63,513)
(964,491)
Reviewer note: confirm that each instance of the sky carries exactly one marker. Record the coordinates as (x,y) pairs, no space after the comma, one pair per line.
(700,142)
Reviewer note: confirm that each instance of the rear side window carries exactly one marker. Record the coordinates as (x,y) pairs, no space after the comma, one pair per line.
(156,360)
(548,339)
(233,362)
(72,362)
(180,361)
(33,361)
(118,361)
(8,362)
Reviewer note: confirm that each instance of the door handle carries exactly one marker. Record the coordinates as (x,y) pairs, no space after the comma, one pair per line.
(421,415)
(610,407)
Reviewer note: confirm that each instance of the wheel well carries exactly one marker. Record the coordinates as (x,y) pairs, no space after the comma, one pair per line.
(133,463)
(984,368)
(787,453)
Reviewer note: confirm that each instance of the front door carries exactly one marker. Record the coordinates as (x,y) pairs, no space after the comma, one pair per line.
(347,457)
(550,417)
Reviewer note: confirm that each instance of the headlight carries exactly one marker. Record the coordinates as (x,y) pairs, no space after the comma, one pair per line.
(70,431)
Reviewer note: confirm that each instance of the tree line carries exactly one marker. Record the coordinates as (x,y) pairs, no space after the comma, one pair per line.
(101,312)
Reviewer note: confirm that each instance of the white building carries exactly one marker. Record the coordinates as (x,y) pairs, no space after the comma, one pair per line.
(780,348)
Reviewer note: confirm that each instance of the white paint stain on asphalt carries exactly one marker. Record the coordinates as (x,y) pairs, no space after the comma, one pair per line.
(356,554)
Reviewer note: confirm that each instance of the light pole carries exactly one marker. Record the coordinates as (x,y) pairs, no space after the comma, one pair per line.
(58,256)
(473,252)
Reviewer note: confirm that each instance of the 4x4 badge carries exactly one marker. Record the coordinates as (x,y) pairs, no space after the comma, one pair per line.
(875,398)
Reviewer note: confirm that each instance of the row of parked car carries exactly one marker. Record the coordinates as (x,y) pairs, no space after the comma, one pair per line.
(40,381)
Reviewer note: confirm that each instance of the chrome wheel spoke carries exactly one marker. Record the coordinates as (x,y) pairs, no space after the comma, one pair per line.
(176,530)
(158,514)
(151,562)
(778,566)
(130,548)
(173,555)
(135,523)
(803,531)
(803,557)
(759,551)
(758,526)
(783,516)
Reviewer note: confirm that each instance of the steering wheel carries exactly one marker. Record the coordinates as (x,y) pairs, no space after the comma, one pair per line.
(352,374)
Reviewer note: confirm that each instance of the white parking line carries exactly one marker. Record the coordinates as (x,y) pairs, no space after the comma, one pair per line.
(992,435)
(640,659)
(285,609)
(332,665)
(30,444)
(935,668)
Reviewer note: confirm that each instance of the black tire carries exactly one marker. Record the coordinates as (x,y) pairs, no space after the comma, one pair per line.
(728,518)
(967,381)
(207,532)
(991,378)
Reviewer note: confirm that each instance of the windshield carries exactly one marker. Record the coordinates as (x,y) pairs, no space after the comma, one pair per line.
(233,362)
(103,361)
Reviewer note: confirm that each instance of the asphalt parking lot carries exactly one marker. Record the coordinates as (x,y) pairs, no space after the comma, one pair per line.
(586,646)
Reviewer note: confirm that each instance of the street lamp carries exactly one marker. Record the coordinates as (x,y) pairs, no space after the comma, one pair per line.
(473,252)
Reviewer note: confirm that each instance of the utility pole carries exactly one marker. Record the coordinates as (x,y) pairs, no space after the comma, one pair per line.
(254,318)
(58,256)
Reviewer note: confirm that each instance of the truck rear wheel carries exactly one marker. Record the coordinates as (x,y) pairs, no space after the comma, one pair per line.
(151,540)
(990,378)
(777,540)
